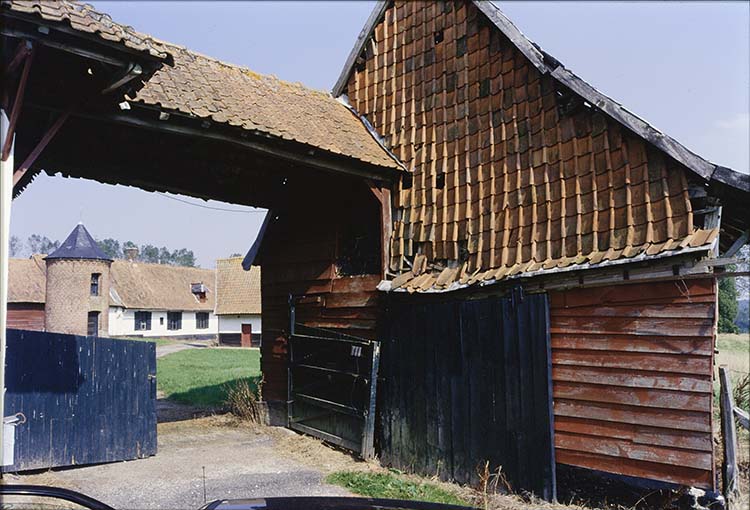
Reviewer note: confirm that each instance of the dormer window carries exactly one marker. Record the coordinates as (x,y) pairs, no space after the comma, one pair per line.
(199,290)
(95,278)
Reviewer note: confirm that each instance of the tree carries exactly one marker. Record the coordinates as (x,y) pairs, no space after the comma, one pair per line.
(42,244)
(149,253)
(110,247)
(15,246)
(727,306)
(183,257)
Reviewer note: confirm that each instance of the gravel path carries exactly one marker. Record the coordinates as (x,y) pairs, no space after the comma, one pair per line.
(177,346)
(240,462)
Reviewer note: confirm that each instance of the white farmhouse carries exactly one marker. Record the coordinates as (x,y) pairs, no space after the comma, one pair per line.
(238,304)
(156,300)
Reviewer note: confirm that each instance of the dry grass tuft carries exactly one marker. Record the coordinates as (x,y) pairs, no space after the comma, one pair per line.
(244,401)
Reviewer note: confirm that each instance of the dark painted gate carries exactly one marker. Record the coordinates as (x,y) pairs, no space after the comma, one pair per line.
(83,400)
(468,382)
(332,386)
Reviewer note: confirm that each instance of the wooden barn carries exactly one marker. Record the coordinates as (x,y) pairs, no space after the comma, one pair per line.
(27,293)
(479,257)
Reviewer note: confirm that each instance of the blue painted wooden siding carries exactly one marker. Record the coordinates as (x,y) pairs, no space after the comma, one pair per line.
(86,400)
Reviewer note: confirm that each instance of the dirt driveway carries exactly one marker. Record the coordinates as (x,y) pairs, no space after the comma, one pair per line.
(239,461)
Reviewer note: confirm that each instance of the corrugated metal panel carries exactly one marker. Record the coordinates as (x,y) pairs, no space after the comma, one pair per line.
(632,379)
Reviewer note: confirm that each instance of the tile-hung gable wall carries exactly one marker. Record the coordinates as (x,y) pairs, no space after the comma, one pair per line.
(503,172)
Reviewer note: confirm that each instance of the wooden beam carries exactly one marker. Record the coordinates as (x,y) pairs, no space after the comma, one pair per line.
(34,154)
(260,144)
(738,244)
(22,50)
(729,437)
(383,195)
(17,104)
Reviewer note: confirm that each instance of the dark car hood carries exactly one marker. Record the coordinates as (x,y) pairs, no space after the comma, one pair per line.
(325,503)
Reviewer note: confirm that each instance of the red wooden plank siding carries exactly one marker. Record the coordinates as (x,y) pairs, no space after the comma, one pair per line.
(28,316)
(632,379)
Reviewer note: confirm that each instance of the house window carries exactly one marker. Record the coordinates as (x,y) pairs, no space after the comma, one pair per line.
(95,277)
(92,328)
(142,321)
(174,320)
(201,320)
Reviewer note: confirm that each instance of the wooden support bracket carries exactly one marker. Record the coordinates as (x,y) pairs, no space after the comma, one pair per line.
(22,51)
(18,100)
(34,154)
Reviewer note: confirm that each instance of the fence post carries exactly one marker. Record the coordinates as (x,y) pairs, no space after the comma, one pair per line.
(729,435)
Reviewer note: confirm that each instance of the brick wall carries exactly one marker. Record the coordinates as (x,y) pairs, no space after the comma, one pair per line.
(69,298)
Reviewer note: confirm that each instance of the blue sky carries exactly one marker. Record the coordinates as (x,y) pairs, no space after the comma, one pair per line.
(683,67)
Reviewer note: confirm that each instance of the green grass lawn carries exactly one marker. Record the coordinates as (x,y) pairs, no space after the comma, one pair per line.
(199,376)
(393,486)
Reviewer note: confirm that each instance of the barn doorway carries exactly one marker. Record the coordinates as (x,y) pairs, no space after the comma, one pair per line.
(467,384)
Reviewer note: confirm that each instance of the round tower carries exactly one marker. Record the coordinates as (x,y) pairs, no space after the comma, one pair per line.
(77,286)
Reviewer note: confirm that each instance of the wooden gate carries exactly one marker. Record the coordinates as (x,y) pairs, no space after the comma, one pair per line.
(79,400)
(467,384)
(333,386)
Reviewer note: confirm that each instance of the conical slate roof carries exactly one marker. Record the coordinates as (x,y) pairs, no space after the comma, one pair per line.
(79,245)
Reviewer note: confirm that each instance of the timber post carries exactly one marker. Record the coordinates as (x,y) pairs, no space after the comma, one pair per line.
(729,437)
(6,195)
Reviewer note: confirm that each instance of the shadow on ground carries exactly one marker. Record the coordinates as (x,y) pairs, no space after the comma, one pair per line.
(197,402)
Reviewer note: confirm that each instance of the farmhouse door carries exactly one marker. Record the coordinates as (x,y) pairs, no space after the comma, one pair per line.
(466,384)
(247,335)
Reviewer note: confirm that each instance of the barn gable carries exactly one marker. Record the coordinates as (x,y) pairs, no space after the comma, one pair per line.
(518,166)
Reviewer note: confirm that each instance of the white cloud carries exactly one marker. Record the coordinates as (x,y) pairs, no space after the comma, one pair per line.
(737,121)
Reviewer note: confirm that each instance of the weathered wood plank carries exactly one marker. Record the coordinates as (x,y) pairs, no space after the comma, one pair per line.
(636,433)
(662,399)
(669,311)
(632,378)
(697,345)
(632,326)
(649,470)
(679,364)
(352,299)
(613,447)
(667,418)
(632,293)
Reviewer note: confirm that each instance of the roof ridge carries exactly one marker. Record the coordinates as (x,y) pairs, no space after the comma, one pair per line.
(139,262)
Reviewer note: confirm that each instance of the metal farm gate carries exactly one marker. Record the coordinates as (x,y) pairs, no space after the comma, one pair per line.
(78,400)
(332,386)
(467,384)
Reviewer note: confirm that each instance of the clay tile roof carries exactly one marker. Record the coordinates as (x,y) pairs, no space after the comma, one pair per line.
(207,88)
(27,280)
(137,285)
(84,18)
(236,96)
(237,290)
